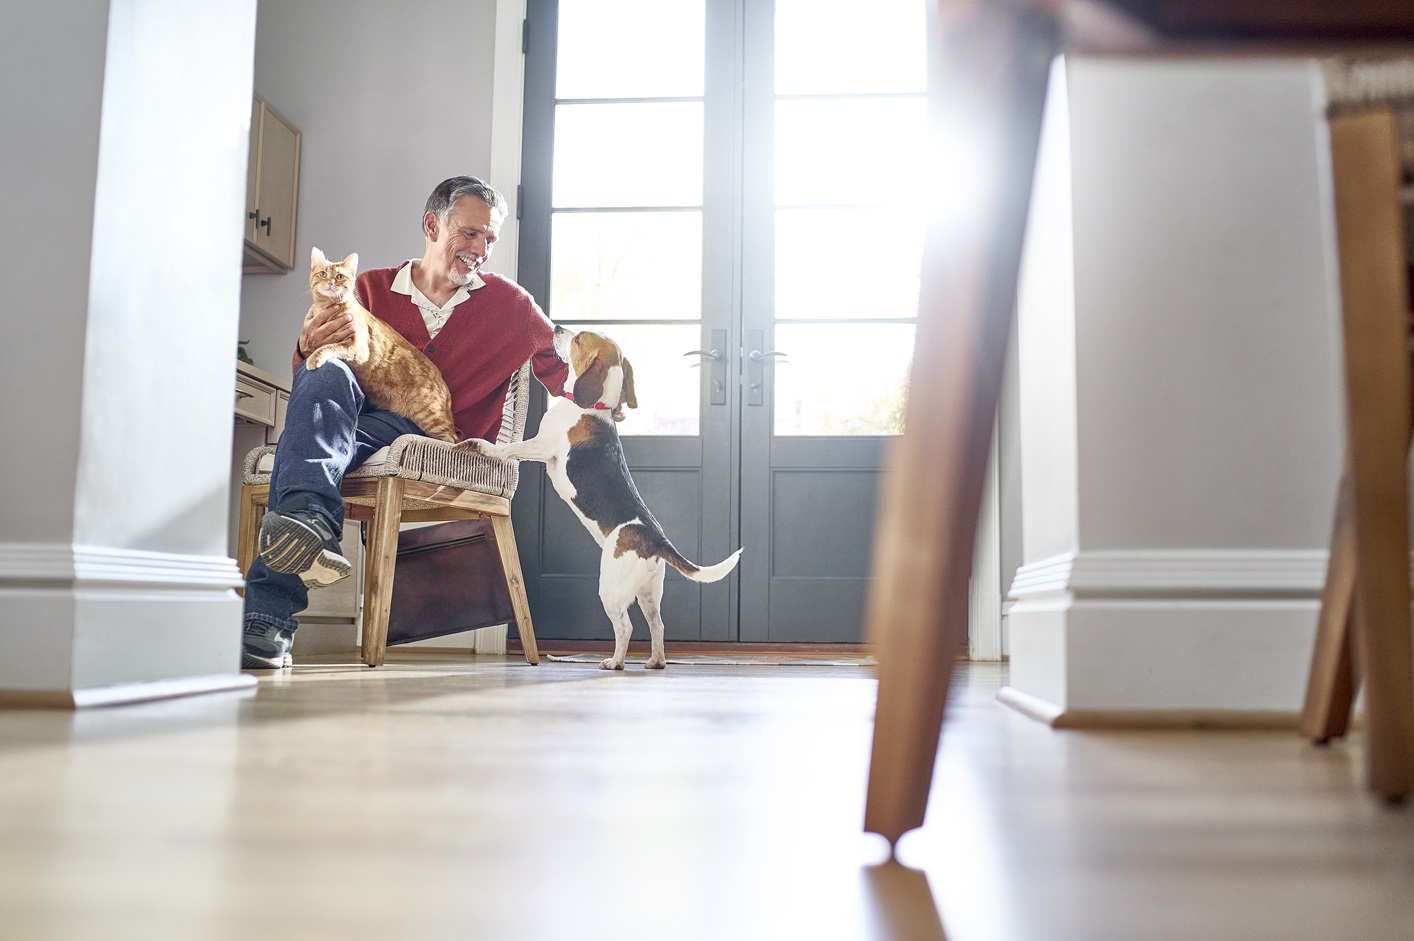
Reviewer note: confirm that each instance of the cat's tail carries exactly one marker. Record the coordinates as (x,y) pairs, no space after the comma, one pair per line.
(438,426)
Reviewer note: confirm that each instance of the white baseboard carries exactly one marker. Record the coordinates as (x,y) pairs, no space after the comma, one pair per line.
(1174,572)
(1057,718)
(78,619)
(30,563)
(491,640)
(1164,637)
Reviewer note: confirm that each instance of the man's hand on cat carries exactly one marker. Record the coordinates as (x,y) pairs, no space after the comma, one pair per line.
(324,324)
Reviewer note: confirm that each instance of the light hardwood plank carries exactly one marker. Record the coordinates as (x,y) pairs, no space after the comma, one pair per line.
(475,797)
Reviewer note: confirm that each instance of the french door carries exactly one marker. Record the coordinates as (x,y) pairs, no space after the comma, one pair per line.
(729,189)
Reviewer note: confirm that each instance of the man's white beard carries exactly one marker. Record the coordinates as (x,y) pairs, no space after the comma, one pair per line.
(465,278)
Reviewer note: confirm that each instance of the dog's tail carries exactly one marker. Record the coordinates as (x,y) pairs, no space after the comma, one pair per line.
(697,573)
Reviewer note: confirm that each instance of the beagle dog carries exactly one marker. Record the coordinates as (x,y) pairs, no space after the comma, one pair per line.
(585,460)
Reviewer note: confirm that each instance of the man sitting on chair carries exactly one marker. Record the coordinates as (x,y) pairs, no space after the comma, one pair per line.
(478,328)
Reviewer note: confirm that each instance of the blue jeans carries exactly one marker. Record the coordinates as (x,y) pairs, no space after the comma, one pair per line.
(330,429)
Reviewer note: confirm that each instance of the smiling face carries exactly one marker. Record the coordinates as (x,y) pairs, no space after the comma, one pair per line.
(462,244)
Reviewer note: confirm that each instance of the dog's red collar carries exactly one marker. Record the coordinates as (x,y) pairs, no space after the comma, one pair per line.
(599,405)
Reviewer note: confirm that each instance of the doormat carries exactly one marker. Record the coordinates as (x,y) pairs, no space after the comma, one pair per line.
(755,660)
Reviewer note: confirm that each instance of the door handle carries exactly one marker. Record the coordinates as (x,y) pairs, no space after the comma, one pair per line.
(717,393)
(756,367)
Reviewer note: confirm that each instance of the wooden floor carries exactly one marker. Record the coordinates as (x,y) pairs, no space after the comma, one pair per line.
(487,799)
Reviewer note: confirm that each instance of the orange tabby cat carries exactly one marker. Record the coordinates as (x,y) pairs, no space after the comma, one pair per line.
(394,374)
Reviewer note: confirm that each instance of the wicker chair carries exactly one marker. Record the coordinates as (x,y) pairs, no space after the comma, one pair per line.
(414,479)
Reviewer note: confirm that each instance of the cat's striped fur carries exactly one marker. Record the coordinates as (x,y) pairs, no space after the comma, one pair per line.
(394,374)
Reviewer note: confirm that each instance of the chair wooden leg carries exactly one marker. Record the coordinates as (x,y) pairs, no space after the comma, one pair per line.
(1330,688)
(382,557)
(515,581)
(1374,300)
(993,63)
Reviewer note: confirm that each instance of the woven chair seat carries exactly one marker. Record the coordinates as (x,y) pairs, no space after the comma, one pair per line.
(1353,84)
(415,457)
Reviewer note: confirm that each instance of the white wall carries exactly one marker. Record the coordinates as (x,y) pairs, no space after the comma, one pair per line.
(1046,341)
(50,159)
(125,177)
(164,295)
(1202,276)
(1181,435)
(391,99)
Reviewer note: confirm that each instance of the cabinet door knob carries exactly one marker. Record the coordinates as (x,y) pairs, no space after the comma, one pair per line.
(264,223)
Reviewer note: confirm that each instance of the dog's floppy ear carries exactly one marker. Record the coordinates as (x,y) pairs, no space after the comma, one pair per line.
(589,384)
(627,396)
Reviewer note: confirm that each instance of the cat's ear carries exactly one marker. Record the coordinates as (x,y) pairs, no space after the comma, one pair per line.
(317,259)
(350,263)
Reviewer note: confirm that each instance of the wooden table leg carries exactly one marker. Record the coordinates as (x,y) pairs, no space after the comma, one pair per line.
(1374,301)
(991,69)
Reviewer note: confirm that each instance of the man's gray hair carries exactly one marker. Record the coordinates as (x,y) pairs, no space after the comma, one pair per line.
(444,198)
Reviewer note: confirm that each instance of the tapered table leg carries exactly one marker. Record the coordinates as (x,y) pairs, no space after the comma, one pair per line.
(989,81)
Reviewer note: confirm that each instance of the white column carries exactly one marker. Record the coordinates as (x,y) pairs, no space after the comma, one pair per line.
(1180,429)
(122,202)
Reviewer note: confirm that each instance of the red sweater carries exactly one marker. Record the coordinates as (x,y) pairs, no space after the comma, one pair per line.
(484,341)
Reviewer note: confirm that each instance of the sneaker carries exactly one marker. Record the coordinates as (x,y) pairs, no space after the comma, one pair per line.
(265,646)
(302,542)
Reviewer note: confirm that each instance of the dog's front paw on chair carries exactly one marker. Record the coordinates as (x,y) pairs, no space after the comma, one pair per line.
(474,445)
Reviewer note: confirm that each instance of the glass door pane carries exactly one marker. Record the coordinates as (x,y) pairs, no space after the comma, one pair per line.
(628,154)
(844,264)
(630,48)
(627,193)
(626,265)
(863,368)
(844,47)
(848,224)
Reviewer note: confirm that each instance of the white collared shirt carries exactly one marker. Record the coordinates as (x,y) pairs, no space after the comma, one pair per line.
(432,315)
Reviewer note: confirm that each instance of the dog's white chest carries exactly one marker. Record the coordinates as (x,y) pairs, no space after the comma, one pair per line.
(558,422)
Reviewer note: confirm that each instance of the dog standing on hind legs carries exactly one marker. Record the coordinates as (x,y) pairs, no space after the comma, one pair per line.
(584,458)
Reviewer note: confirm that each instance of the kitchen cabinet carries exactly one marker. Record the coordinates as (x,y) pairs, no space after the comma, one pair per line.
(272,191)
